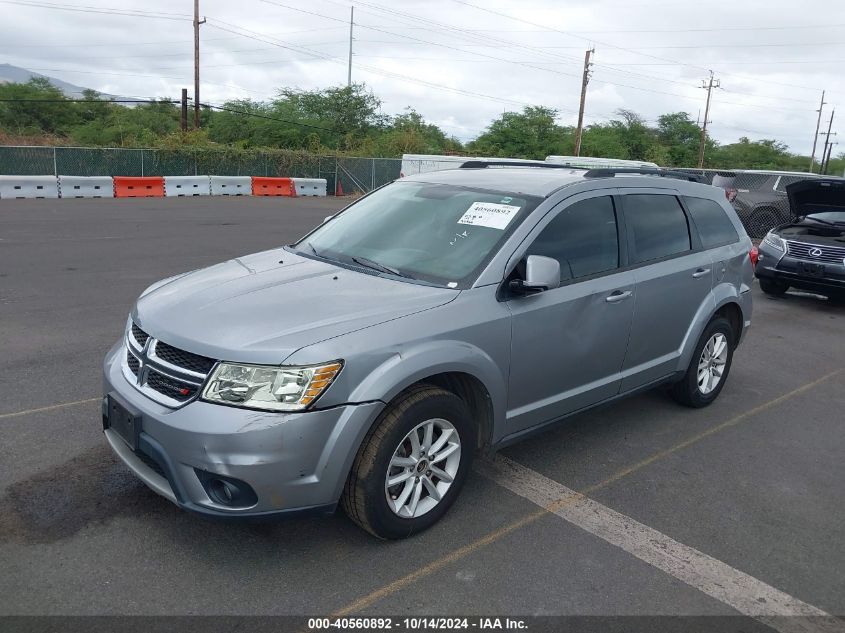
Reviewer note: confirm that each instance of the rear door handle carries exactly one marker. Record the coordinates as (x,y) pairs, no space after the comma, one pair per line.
(701,272)
(618,295)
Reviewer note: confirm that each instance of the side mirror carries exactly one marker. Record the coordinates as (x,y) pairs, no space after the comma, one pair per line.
(541,273)
(327,218)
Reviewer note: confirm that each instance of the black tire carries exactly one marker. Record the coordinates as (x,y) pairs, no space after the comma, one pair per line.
(772,287)
(364,498)
(687,391)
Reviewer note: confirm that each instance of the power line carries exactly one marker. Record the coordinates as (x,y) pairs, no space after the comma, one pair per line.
(541,50)
(593,41)
(101,10)
(318,55)
(168,101)
(373,28)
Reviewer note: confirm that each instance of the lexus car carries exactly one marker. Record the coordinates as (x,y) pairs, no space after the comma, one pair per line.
(808,252)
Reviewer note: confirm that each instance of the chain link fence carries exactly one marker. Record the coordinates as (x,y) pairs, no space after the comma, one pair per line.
(354,175)
(759,197)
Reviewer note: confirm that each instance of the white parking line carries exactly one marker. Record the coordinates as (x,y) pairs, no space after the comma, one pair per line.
(746,594)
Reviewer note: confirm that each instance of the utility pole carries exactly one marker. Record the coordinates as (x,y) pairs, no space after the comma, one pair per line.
(816,137)
(827,160)
(822,167)
(584,81)
(351,22)
(183,119)
(708,85)
(197,23)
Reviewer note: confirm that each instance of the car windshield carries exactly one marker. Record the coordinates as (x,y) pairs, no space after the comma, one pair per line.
(832,217)
(440,234)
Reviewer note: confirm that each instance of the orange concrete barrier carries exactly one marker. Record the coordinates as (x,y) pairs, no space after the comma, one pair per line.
(138,187)
(273,186)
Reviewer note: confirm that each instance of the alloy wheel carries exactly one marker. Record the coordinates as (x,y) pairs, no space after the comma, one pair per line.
(422,468)
(711,365)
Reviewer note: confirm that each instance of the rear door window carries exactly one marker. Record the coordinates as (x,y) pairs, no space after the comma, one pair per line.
(657,226)
(583,238)
(714,226)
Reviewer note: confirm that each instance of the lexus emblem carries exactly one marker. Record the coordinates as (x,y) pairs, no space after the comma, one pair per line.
(816,252)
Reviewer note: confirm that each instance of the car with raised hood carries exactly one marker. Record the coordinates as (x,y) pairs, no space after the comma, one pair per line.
(443,315)
(808,252)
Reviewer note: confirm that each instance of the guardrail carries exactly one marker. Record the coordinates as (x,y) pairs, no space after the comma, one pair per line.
(29,187)
(86,187)
(187,186)
(231,185)
(309,186)
(13,187)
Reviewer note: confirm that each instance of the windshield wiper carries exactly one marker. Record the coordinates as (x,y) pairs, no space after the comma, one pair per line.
(314,250)
(369,263)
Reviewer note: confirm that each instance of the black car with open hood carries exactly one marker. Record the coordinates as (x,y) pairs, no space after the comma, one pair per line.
(808,252)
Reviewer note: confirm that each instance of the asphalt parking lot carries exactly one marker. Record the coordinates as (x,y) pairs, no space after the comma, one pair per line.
(753,484)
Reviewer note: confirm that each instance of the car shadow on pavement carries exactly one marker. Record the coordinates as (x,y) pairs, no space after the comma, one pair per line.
(93,488)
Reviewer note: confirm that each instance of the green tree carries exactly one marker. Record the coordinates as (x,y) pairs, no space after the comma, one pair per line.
(25,115)
(681,137)
(409,133)
(531,133)
(627,137)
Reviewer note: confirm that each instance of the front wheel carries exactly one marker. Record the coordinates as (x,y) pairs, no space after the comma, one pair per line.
(412,464)
(709,366)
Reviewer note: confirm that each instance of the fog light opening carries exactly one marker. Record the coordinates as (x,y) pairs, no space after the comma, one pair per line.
(223,492)
(227,491)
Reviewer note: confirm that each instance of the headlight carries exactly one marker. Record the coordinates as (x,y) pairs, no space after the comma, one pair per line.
(775,242)
(268,387)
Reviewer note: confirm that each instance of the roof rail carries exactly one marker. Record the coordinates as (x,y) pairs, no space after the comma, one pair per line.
(480,164)
(646,171)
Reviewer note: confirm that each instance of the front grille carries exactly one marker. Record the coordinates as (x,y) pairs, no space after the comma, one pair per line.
(133,362)
(829,254)
(170,387)
(183,359)
(139,335)
(163,373)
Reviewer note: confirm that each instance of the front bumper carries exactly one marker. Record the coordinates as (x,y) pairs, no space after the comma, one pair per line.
(773,264)
(294,462)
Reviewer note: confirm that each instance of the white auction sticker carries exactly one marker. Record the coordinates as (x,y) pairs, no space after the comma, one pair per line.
(489,214)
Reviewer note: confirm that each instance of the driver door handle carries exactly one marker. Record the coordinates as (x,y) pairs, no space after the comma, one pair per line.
(701,272)
(618,295)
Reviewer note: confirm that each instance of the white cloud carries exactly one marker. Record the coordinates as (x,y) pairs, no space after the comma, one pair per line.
(650,56)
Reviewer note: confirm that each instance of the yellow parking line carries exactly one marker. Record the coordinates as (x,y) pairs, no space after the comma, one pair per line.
(492,537)
(50,408)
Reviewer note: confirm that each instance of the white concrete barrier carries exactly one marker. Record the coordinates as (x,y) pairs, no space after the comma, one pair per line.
(28,187)
(231,186)
(86,187)
(178,186)
(310,186)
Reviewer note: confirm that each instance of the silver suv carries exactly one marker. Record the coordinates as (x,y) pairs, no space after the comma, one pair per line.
(442,315)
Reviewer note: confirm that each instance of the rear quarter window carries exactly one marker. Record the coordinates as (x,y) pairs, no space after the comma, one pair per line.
(657,225)
(714,226)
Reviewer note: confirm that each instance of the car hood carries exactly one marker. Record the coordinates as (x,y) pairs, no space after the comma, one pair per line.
(823,194)
(263,307)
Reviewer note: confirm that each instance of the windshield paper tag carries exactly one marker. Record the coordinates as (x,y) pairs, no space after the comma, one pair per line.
(489,214)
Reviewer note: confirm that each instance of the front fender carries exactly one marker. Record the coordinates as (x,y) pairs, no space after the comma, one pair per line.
(408,366)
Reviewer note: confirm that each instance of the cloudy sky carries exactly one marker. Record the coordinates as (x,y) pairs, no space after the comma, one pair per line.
(461,63)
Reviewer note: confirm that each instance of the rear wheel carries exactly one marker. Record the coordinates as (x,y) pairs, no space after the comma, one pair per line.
(412,464)
(709,366)
(772,287)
